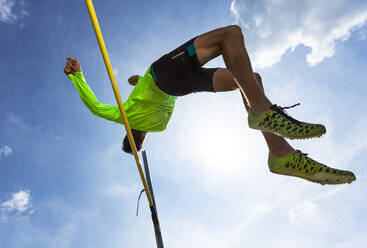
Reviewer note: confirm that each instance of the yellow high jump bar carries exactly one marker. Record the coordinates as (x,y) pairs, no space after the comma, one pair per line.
(107,62)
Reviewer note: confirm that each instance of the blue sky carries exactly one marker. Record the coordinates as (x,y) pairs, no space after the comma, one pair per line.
(64,181)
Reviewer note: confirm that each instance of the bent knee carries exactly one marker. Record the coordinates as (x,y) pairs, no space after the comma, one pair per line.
(257,76)
(259,80)
(234,28)
(234,31)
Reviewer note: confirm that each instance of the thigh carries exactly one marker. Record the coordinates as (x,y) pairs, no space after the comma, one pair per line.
(223,81)
(208,45)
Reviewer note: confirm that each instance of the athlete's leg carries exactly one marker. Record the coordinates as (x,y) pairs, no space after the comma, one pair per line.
(283,159)
(278,145)
(229,43)
(223,80)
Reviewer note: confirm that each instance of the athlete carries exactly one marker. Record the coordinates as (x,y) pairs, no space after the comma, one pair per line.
(181,72)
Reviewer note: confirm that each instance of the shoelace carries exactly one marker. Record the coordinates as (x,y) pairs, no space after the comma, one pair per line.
(281,110)
(305,154)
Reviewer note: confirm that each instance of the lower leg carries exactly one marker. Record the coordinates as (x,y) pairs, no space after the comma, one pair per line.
(223,80)
(229,43)
(283,159)
(278,145)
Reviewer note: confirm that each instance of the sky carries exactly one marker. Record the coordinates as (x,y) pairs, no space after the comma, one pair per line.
(64,181)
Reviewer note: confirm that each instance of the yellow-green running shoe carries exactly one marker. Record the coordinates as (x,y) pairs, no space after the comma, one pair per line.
(277,121)
(297,164)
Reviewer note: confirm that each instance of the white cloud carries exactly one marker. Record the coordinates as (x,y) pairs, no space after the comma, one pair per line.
(6,150)
(235,11)
(6,8)
(11,11)
(18,204)
(274,27)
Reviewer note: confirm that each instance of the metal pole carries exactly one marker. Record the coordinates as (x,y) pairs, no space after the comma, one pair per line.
(107,62)
(157,228)
(147,176)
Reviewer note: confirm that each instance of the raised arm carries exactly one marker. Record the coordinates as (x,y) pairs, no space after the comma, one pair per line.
(74,73)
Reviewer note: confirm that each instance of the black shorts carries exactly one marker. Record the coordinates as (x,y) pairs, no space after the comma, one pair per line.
(180,73)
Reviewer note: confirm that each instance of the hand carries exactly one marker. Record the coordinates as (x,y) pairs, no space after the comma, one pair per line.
(72,66)
(133,80)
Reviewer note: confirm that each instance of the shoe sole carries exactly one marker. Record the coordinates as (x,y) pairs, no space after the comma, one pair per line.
(286,136)
(300,138)
(321,178)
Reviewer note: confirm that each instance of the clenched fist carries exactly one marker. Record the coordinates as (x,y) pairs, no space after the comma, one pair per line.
(72,66)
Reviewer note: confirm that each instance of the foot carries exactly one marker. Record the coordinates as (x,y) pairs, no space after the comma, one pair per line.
(277,121)
(297,164)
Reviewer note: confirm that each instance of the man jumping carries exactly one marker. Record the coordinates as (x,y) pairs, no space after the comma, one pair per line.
(181,72)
